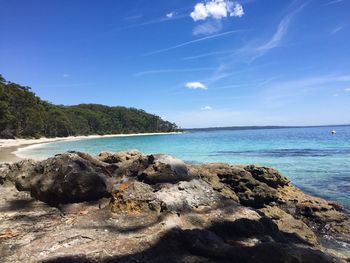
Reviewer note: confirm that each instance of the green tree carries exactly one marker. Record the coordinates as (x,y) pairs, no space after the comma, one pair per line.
(22,114)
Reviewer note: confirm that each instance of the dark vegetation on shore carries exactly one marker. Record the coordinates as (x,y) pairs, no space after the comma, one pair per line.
(23,114)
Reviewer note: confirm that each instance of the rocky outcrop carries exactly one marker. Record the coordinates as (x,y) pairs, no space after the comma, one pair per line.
(252,189)
(66,178)
(128,164)
(9,173)
(130,207)
(288,224)
(165,169)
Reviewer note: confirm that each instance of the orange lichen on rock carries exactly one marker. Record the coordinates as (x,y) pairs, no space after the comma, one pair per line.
(123,186)
(133,198)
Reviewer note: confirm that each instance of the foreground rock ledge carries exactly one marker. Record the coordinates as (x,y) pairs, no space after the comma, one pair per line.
(130,207)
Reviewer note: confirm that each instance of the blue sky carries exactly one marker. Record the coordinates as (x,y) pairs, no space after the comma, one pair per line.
(197,63)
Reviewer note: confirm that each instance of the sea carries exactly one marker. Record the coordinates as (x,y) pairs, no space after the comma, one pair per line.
(314,160)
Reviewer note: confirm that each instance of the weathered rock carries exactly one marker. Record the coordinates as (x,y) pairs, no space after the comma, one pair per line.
(325,216)
(65,178)
(134,198)
(249,190)
(186,196)
(262,187)
(165,169)
(267,175)
(130,164)
(119,157)
(207,173)
(10,172)
(296,229)
(5,173)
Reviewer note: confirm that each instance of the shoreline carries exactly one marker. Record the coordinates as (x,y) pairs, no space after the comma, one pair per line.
(10,147)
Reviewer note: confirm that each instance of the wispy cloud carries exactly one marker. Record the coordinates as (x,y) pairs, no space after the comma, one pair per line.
(313,81)
(336,30)
(333,2)
(228,70)
(207,108)
(133,17)
(193,42)
(347,89)
(65,75)
(277,91)
(160,71)
(208,28)
(195,85)
(335,95)
(223,52)
(280,33)
(167,18)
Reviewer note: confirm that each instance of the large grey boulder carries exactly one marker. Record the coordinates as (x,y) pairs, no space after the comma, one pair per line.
(165,169)
(67,178)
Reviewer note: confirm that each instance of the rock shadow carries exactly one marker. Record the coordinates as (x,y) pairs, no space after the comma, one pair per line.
(217,244)
(15,205)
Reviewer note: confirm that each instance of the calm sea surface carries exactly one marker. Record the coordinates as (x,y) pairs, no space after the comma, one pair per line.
(315,161)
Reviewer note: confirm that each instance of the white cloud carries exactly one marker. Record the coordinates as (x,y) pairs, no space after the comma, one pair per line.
(195,85)
(207,108)
(199,13)
(347,89)
(65,75)
(238,10)
(207,28)
(170,15)
(335,95)
(216,9)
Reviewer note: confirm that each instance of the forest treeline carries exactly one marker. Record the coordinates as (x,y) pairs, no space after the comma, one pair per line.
(23,115)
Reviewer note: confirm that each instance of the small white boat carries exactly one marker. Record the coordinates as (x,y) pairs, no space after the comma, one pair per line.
(334,132)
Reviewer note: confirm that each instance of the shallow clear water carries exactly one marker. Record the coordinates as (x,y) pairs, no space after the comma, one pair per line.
(315,160)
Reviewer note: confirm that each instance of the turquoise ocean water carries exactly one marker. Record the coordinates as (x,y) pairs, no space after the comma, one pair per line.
(315,161)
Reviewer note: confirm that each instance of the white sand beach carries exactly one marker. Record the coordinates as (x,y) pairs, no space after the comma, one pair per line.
(8,147)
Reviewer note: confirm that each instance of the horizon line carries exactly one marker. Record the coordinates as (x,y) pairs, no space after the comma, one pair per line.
(268,126)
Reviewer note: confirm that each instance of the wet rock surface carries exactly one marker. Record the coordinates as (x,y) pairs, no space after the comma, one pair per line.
(130,207)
